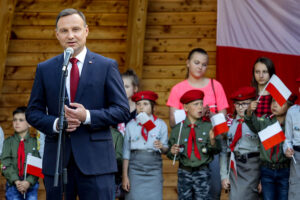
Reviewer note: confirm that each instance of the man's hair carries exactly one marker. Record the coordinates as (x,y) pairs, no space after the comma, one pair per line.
(21,109)
(70,11)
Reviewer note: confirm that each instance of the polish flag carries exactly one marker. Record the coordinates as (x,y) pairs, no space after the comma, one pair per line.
(145,120)
(247,30)
(278,90)
(34,166)
(232,164)
(219,124)
(271,136)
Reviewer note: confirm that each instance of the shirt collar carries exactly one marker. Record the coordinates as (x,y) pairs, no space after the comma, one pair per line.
(81,55)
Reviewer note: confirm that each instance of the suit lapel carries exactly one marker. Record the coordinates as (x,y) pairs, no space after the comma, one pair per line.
(86,73)
(60,60)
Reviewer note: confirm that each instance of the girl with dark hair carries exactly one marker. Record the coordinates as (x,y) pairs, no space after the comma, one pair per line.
(262,71)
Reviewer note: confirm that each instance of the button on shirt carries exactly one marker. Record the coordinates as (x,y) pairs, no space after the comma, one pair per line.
(292,127)
(134,140)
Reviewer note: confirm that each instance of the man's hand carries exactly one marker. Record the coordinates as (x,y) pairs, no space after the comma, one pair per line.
(175,149)
(75,116)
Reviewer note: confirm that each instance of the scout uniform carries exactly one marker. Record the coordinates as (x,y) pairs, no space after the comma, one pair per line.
(245,146)
(275,166)
(10,156)
(292,133)
(145,162)
(193,172)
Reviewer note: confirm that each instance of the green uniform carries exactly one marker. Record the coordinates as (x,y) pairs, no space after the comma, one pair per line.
(206,150)
(118,144)
(9,157)
(257,124)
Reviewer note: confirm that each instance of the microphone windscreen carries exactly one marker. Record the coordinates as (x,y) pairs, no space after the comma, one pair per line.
(70,50)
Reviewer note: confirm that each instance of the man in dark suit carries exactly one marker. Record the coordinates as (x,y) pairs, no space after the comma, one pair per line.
(96,100)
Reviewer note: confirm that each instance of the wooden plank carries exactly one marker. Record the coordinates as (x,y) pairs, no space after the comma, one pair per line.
(170,180)
(17,86)
(53,46)
(7,9)
(31,59)
(159,85)
(161,110)
(84,6)
(173,31)
(176,45)
(173,71)
(6,113)
(48,19)
(173,58)
(136,35)
(170,193)
(14,100)
(182,6)
(182,18)
(48,32)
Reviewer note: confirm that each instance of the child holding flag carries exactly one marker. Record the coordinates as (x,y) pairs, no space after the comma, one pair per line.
(195,150)
(244,145)
(292,147)
(145,139)
(15,150)
(275,166)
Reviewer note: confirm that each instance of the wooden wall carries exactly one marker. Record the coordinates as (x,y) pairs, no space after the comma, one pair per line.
(173,28)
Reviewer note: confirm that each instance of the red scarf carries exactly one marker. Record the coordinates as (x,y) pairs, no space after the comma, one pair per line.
(192,138)
(143,133)
(237,135)
(21,158)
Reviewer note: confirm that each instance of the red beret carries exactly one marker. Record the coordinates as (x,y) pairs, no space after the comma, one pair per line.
(144,95)
(243,93)
(191,95)
(293,98)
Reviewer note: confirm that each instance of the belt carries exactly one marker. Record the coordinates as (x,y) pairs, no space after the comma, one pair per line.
(244,157)
(296,148)
(193,169)
(275,166)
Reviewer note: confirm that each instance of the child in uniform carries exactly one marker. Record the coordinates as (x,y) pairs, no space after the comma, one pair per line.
(245,146)
(142,162)
(15,150)
(292,148)
(196,149)
(275,166)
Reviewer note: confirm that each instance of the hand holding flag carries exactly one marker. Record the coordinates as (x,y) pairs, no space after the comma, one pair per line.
(219,124)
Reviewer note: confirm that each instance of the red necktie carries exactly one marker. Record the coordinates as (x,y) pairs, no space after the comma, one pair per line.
(237,135)
(74,78)
(192,137)
(21,158)
(145,135)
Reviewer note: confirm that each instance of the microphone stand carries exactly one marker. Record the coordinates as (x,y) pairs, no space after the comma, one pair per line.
(62,125)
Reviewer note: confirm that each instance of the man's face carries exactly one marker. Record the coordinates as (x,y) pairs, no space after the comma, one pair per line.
(72,32)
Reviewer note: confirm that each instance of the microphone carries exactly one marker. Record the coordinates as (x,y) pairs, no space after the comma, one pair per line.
(68,54)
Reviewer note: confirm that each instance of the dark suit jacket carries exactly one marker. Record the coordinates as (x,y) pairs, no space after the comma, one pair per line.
(101,91)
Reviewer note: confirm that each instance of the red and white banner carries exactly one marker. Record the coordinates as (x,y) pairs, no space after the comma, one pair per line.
(247,30)
(232,164)
(278,90)
(271,136)
(34,166)
(219,124)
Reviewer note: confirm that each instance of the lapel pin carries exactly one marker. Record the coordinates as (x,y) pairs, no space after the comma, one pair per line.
(90,62)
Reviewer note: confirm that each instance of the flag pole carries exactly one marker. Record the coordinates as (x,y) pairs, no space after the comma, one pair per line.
(179,135)
(264,89)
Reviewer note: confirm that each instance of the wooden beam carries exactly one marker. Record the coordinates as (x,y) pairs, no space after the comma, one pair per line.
(137,18)
(7,8)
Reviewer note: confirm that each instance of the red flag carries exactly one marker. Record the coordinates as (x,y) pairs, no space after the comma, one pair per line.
(219,124)
(271,136)
(34,166)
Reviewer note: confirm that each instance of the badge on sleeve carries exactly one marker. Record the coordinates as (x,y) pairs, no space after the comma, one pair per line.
(200,140)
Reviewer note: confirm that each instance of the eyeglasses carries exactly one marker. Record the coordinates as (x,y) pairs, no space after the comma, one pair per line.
(244,105)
